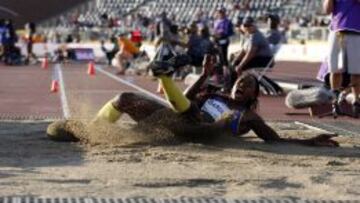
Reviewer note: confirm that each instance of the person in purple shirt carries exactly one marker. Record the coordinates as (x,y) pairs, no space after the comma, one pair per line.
(223,30)
(344,39)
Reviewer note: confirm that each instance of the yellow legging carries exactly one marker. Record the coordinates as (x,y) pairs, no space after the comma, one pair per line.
(108,113)
(173,94)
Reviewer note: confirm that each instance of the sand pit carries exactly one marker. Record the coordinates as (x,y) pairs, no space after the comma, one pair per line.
(31,164)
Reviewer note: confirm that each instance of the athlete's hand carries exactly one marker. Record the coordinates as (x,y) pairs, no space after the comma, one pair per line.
(208,65)
(239,70)
(324,140)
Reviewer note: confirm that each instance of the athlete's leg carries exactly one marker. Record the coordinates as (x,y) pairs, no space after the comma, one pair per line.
(174,95)
(137,105)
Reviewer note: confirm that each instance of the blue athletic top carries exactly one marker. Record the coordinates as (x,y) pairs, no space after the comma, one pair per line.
(216,108)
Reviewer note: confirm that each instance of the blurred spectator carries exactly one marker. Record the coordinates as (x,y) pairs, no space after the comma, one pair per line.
(303,21)
(245,5)
(2,34)
(200,44)
(345,38)
(61,54)
(11,55)
(223,30)
(127,51)
(285,28)
(110,53)
(274,35)
(255,52)
(69,39)
(200,19)
(136,37)
(163,27)
(30,30)
(167,38)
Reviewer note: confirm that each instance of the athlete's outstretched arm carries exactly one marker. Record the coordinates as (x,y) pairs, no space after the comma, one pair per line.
(208,69)
(265,132)
(258,125)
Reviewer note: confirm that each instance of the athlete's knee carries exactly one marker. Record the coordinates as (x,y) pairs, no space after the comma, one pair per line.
(192,113)
(125,99)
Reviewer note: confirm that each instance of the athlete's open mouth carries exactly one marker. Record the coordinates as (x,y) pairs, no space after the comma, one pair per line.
(239,92)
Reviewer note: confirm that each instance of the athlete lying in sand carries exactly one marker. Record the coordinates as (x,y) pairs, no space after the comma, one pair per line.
(203,111)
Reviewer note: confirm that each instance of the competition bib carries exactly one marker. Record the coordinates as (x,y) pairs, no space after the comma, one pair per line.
(215,108)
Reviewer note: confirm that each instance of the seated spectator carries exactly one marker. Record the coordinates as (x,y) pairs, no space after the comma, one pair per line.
(110,53)
(255,52)
(128,51)
(274,35)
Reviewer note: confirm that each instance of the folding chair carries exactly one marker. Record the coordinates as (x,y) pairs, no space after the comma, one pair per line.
(267,85)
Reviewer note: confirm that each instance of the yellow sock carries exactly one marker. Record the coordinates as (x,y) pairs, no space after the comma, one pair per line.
(108,113)
(174,95)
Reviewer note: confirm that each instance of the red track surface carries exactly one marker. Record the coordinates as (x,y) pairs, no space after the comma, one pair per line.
(24,91)
(295,70)
(85,93)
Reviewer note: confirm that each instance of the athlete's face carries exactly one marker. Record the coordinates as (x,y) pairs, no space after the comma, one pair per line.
(244,89)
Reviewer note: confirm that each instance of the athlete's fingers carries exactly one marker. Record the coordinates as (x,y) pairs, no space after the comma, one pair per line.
(334,143)
(325,140)
(326,143)
(325,136)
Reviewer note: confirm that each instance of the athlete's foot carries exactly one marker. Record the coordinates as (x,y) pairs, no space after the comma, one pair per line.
(170,66)
(180,60)
(161,68)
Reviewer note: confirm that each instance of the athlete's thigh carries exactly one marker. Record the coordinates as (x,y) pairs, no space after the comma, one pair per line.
(138,105)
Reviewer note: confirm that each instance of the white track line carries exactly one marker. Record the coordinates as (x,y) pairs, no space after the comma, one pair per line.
(309,126)
(338,128)
(64,101)
(325,124)
(163,101)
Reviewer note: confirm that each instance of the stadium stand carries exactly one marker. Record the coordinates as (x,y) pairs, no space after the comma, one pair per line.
(108,8)
(22,11)
(96,10)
